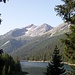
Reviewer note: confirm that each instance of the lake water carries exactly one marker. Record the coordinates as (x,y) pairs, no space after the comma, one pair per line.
(34,68)
(38,68)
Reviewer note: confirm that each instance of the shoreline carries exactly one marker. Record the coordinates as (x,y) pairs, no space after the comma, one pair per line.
(47,61)
(32,61)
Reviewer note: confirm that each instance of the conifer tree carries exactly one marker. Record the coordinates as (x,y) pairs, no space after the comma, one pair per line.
(55,67)
(67,12)
(1,61)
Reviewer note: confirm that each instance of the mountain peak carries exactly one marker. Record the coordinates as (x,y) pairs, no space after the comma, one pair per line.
(31,25)
(47,27)
(33,30)
(45,24)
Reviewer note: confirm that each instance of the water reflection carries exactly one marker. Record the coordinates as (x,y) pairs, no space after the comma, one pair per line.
(34,68)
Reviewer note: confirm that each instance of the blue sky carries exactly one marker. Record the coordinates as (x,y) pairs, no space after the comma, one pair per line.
(20,13)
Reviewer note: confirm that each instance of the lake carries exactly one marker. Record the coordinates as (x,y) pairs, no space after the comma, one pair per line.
(34,68)
(38,68)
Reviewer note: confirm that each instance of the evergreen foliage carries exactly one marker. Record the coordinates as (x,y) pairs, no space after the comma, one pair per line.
(69,44)
(67,12)
(8,66)
(72,73)
(55,67)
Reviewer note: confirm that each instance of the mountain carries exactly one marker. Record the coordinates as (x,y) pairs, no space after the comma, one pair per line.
(24,31)
(14,39)
(32,40)
(60,29)
(32,30)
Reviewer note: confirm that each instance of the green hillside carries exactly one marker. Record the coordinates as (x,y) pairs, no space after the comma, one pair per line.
(32,42)
(40,49)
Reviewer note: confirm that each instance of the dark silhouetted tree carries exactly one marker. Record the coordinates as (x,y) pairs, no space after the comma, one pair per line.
(55,67)
(0,19)
(1,61)
(1,51)
(3,1)
(0,14)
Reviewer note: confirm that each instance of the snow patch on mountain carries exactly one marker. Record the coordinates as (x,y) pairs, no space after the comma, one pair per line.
(5,43)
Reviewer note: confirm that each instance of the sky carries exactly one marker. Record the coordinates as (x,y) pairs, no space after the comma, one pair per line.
(21,13)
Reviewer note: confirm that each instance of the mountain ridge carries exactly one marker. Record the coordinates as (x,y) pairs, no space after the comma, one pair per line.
(36,30)
(31,36)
